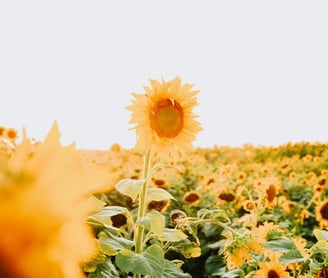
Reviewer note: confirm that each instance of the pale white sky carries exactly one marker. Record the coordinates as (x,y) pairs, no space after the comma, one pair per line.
(261,66)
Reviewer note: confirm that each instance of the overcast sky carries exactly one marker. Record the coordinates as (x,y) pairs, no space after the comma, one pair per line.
(261,67)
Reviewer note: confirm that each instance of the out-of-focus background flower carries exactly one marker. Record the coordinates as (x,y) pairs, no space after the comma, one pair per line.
(261,66)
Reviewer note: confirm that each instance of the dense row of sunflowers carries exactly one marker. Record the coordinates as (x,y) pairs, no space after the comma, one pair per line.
(162,209)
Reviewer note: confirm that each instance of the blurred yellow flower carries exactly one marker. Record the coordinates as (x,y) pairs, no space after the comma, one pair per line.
(164,118)
(44,201)
(2,131)
(11,134)
(268,188)
(248,205)
(227,196)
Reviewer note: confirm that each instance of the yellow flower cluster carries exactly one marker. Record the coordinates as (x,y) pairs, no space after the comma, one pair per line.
(273,193)
(8,133)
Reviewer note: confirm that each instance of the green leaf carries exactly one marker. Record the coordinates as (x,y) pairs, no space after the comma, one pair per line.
(103,217)
(216,244)
(192,251)
(187,249)
(235,273)
(153,221)
(217,214)
(158,194)
(150,262)
(111,244)
(320,245)
(92,265)
(212,265)
(106,270)
(173,271)
(293,256)
(281,245)
(320,234)
(130,187)
(173,235)
(110,211)
(157,222)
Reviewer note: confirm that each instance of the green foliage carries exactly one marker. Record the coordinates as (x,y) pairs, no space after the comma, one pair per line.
(105,270)
(117,227)
(291,257)
(111,244)
(154,222)
(130,187)
(158,194)
(150,262)
(196,239)
(281,245)
(172,270)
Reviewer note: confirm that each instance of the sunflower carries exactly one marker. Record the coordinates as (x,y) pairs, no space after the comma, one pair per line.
(163,118)
(267,231)
(268,188)
(43,206)
(2,131)
(161,206)
(227,196)
(162,177)
(237,257)
(248,205)
(241,176)
(271,269)
(237,250)
(321,213)
(191,198)
(11,134)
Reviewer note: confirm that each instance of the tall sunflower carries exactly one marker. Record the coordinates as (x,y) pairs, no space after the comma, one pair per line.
(163,117)
(43,206)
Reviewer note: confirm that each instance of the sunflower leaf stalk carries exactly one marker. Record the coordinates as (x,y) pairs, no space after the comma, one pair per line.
(139,232)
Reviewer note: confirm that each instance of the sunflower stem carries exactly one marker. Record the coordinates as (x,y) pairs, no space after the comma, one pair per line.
(142,205)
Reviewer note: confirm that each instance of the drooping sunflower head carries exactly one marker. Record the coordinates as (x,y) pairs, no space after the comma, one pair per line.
(237,250)
(163,117)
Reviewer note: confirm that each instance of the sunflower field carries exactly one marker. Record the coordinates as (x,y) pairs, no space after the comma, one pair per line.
(164,208)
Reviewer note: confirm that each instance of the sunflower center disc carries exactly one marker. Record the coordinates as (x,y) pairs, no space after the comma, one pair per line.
(273,274)
(166,118)
(324,212)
